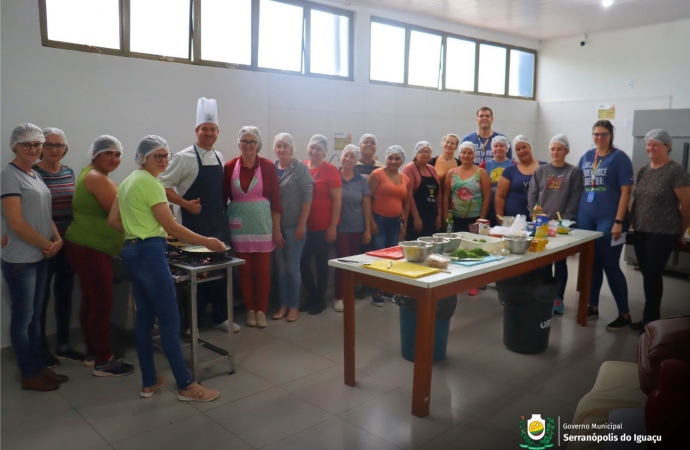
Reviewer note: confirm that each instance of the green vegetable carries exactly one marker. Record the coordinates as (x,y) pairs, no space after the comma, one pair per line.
(460,253)
(483,241)
(478,253)
(474,240)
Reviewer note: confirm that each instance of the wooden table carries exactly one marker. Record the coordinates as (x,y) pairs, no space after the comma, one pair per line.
(428,290)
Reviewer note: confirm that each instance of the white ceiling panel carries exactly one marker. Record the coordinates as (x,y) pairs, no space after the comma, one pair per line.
(545,19)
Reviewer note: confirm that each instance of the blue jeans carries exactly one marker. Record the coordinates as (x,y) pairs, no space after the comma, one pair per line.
(60,271)
(606,260)
(287,263)
(389,232)
(25,283)
(561,275)
(154,295)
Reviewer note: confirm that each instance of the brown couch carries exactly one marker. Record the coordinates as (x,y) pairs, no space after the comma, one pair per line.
(668,338)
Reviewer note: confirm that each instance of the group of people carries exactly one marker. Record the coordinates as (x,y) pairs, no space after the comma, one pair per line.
(57,224)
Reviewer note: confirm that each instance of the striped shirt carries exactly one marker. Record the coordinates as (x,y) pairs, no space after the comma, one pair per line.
(61,185)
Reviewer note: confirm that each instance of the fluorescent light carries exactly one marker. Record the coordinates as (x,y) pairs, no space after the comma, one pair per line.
(607,3)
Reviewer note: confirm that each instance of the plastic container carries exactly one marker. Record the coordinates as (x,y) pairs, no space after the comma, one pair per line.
(470,241)
(445,308)
(553,228)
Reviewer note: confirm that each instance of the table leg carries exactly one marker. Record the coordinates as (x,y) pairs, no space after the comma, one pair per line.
(193,326)
(349,325)
(423,355)
(231,319)
(584,280)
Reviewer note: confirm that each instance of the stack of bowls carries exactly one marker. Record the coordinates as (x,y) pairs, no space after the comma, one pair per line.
(438,245)
(454,238)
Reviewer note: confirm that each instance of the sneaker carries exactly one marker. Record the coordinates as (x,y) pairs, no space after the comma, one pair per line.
(148,392)
(113,368)
(54,377)
(261,319)
(225,326)
(338,306)
(70,354)
(51,361)
(473,292)
(592,313)
(251,319)
(197,393)
(618,324)
(39,383)
(558,306)
(90,360)
(638,326)
(377,300)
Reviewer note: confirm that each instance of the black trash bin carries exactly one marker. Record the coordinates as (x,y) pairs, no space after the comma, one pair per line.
(445,308)
(527,310)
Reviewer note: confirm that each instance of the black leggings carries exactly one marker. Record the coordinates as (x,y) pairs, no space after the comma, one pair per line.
(653,251)
(318,249)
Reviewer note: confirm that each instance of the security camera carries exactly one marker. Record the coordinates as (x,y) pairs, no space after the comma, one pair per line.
(583,42)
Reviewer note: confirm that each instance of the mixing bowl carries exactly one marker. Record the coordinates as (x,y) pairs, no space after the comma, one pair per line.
(416,251)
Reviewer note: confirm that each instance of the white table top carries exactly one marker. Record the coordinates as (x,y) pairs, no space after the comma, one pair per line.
(459,272)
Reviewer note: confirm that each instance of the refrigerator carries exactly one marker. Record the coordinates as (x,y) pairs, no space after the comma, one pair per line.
(677,123)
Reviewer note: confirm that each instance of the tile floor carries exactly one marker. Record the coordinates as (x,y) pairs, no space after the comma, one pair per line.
(288,391)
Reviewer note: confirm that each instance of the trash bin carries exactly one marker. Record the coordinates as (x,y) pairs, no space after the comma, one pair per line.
(527,309)
(445,308)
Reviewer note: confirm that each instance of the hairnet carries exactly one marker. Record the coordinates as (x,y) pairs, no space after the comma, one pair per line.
(467,144)
(350,148)
(498,139)
(26,132)
(521,138)
(284,137)
(103,144)
(148,145)
(420,145)
(57,132)
(561,139)
(248,129)
(320,140)
(393,149)
(659,135)
(364,136)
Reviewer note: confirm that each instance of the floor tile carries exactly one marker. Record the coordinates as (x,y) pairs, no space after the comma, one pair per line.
(331,345)
(67,430)
(283,363)
(328,391)
(84,387)
(196,432)
(473,434)
(333,434)
(384,328)
(565,384)
(123,416)
(389,418)
(612,346)
(19,406)
(247,342)
(268,417)
(386,365)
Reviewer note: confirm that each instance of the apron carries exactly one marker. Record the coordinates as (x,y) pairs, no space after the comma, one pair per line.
(249,215)
(208,188)
(425,198)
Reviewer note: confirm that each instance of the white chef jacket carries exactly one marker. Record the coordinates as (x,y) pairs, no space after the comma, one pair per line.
(183,168)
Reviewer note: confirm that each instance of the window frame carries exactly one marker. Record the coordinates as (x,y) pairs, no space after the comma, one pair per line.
(444,60)
(194,51)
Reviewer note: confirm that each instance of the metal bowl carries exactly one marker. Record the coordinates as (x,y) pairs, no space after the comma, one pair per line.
(416,251)
(517,245)
(454,238)
(438,245)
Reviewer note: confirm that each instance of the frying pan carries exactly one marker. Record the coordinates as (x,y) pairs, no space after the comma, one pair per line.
(201,251)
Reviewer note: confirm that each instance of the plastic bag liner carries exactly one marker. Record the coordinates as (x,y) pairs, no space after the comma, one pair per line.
(533,287)
(445,307)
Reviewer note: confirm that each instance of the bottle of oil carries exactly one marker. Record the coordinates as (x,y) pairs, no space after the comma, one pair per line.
(536,211)
(449,222)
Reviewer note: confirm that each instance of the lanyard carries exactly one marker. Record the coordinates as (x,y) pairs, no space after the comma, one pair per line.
(594,167)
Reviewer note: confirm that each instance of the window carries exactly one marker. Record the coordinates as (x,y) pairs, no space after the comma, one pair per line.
(387,58)
(460,64)
(521,80)
(226,31)
(84,22)
(286,35)
(425,59)
(492,69)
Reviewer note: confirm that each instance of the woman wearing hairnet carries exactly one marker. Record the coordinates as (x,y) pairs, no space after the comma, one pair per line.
(660,216)
(391,192)
(31,238)
(296,189)
(141,212)
(251,184)
(322,224)
(426,203)
(495,167)
(367,150)
(512,189)
(90,245)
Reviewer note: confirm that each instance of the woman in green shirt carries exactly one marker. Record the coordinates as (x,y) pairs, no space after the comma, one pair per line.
(142,213)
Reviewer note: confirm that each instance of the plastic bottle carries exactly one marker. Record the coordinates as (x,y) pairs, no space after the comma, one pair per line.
(449,222)
(536,211)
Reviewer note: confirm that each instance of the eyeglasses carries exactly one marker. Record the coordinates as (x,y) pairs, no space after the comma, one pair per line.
(29,145)
(54,146)
(249,143)
(424,152)
(158,157)
(601,135)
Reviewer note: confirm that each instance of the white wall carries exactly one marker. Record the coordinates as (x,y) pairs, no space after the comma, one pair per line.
(87,95)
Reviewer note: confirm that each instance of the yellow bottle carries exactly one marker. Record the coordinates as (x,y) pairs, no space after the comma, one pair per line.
(536,211)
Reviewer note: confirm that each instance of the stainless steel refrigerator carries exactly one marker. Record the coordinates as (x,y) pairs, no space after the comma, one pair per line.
(677,123)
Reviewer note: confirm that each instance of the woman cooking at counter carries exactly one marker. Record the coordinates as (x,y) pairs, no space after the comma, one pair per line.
(141,212)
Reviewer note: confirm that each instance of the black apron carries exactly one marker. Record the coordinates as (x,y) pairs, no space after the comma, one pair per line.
(425,198)
(208,188)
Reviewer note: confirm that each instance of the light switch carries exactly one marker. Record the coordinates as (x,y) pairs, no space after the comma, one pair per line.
(626,123)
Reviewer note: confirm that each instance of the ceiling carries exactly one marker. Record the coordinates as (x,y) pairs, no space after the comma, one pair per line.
(545,19)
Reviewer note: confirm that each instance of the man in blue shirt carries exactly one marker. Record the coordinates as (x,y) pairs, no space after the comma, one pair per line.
(483,136)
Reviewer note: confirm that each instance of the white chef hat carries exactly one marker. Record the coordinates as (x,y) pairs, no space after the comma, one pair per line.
(320,140)
(659,135)
(364,136)
(351,148)
(498,138)
(467,144)
(248,129)
(147,146)
(206,111)
(104,143)
(284,137)
(420,145)
(561,139)
(521,138)
(26,132)
(395,149)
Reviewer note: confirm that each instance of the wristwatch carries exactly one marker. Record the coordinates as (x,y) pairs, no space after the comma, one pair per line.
(618,222)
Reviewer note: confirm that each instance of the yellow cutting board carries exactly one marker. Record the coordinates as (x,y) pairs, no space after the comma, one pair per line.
(402,268)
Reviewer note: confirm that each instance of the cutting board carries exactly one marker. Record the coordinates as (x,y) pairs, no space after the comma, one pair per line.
(488,259)
(402,268)
(389,253)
